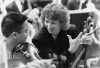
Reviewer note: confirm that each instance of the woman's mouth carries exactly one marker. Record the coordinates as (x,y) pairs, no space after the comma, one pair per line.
(51,30)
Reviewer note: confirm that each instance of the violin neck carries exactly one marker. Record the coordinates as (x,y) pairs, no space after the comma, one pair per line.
(78,58)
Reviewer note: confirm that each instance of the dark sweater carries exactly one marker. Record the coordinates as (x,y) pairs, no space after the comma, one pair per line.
(46,44)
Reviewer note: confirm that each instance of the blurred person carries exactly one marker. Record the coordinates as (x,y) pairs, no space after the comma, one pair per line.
(0,25)
(64,2)
(15,6)
(96,35)
(97,4)
(34,23)
(33,4)
(2,9)
(57,34)
(6,2)
(75,4)
(21,6)
(30,5)
(94,60)
(1,1)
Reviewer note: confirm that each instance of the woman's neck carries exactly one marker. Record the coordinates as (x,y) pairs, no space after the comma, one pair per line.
(55,35)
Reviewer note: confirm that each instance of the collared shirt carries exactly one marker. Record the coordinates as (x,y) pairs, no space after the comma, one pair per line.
(18,3)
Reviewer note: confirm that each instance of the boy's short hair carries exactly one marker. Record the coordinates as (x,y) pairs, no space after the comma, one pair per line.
(12,22)
(55,11)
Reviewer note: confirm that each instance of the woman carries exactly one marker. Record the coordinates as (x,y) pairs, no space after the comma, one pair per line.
(57,33)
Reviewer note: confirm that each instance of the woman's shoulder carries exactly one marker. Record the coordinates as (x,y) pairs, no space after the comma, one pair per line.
(72,26)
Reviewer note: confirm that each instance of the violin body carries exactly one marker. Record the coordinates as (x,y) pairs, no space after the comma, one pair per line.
(80,61)
(20,56)
(26,52)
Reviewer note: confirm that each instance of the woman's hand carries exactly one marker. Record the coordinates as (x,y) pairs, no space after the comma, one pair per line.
(87,39)
(74,43)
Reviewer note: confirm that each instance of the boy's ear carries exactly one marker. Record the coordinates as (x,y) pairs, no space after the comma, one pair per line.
(14,34)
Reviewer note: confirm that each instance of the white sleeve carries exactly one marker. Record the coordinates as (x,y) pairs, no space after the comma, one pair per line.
(1,56)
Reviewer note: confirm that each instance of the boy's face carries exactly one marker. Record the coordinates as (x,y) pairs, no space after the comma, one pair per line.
(22,35)
(53,26)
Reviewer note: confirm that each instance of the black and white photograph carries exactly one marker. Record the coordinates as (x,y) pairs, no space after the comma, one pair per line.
(49,33)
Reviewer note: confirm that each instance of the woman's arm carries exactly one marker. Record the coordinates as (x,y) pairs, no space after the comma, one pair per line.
(44,49)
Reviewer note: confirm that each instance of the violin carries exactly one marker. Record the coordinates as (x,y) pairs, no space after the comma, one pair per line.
(80,61)
(57,60)
(18,63)
(21,52)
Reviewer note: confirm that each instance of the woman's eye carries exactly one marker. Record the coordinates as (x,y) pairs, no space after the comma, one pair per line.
(53,23)
(46,21)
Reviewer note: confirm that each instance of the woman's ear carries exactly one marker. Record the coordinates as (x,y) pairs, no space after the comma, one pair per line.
(14,34)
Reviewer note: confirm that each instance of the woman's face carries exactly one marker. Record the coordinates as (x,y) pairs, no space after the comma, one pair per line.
(53,26)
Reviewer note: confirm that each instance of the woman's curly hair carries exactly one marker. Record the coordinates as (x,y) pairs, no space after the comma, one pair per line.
(56,12)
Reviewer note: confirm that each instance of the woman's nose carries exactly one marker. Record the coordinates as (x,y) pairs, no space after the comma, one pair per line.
(49,25)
